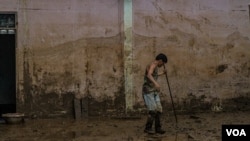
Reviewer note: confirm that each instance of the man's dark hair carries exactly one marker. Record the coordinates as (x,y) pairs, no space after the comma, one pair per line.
(162,57)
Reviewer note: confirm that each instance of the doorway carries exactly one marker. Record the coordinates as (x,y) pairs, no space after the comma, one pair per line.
(7,63)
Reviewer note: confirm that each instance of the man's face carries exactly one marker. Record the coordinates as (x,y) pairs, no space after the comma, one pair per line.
(161,63)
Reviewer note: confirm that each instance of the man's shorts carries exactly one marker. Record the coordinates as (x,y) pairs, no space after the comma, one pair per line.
(152,101)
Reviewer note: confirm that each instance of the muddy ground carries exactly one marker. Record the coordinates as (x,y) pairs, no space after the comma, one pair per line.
(190,127)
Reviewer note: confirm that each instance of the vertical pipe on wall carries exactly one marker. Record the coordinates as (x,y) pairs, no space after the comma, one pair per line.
(128,54)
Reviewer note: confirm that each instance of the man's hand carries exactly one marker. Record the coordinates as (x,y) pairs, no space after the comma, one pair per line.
(157,87)
(163,72)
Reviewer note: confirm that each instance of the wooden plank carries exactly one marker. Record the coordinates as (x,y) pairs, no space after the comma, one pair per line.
(77,109)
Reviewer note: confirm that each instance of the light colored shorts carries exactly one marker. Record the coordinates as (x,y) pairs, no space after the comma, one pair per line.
(152,101)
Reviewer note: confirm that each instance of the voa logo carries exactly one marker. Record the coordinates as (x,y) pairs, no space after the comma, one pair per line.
(236,132)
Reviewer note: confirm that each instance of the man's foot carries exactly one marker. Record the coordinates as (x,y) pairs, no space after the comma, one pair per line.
(160,131)
(149,131)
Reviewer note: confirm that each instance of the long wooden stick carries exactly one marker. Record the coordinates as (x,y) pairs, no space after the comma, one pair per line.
(170,93)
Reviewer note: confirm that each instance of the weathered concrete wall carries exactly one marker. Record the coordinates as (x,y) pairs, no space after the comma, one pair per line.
(74,49)
(207,43)
(66,50)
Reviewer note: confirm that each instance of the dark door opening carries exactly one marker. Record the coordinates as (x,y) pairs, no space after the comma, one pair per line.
(7,67)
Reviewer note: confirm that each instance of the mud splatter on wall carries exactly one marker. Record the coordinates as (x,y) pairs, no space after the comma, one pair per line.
(207,43)
(66,50)
(74,49)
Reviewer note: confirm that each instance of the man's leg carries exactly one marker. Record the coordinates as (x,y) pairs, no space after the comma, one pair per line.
(151,106)
(150,121)
(158,128)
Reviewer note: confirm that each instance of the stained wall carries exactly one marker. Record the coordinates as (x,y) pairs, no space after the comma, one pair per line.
(74,49)
(207,44)
(66,50)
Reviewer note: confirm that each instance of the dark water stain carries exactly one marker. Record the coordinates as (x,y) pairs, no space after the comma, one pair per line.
(221,68)
(236,104)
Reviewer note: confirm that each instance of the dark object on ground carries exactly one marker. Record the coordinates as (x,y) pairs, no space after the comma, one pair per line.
(13,118)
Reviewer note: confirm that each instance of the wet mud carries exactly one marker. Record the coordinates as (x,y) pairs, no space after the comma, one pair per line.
(190,127)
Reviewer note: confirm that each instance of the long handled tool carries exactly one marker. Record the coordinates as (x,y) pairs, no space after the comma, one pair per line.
(170,94)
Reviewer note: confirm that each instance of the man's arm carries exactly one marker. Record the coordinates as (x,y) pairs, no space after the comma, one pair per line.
(151,78)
